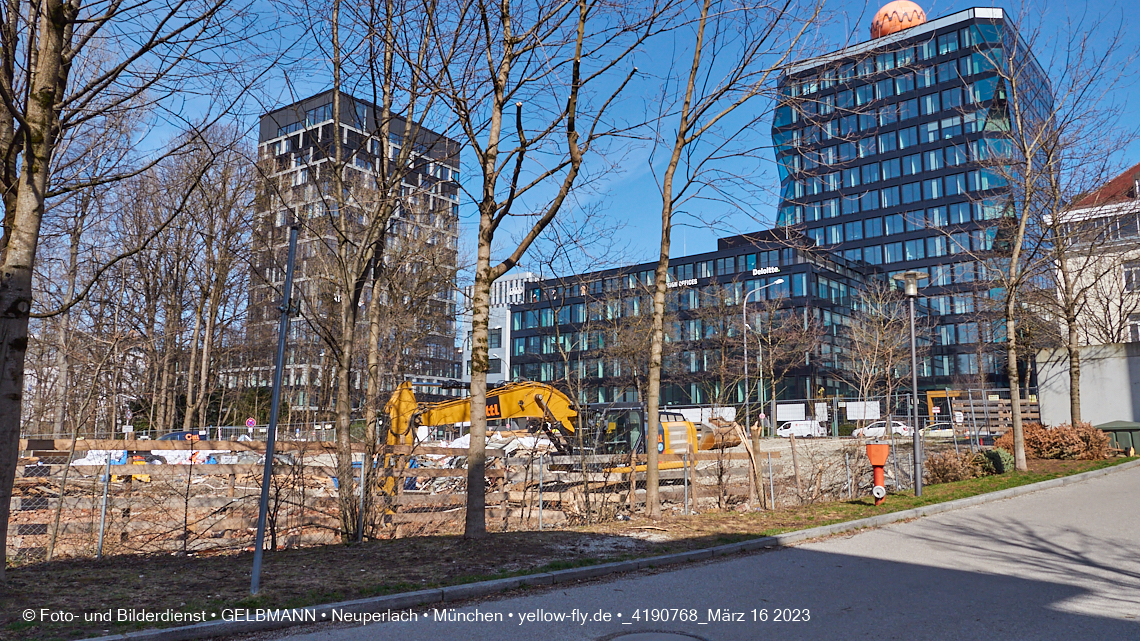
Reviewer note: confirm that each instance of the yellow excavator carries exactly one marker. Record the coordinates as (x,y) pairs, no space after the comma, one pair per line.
(608,429)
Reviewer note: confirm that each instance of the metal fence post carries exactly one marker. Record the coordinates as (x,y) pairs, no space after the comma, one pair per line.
(771,482)
(686,477)
(847,465)
(103,511)
(540,457)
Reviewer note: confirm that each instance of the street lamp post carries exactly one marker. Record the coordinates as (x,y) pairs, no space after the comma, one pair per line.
(747,395)
(910,288)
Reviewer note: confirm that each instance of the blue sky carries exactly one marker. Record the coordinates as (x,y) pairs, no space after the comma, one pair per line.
(632,198)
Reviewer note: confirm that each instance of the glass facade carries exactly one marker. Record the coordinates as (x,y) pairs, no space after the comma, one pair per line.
(881,150)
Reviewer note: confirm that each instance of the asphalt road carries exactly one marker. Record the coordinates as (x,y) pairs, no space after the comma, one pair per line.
(1058,564)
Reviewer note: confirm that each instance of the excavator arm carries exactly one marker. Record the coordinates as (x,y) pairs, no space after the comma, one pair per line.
(550,410)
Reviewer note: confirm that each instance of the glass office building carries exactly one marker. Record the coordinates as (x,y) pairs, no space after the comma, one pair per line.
(880,148)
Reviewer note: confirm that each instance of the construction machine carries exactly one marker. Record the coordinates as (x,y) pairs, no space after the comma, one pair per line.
(606,429)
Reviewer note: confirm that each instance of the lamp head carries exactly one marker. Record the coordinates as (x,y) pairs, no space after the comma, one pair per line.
(910,279)
(777,281)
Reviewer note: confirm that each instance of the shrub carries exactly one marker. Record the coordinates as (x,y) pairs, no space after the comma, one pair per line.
(1062,442)
(1000,460)
(947,467)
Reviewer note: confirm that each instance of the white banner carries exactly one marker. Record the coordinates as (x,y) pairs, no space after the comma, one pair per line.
(790,412)
(863,411)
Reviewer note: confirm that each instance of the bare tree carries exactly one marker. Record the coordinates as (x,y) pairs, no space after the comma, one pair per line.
(1032,142)
(546,58)
(736,48)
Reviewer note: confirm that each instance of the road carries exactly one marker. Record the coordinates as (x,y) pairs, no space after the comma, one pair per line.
(1056,564)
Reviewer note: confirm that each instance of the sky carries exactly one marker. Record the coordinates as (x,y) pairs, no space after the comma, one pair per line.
(629,198)
(635,200)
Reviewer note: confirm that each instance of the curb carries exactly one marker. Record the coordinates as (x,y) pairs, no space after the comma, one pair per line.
(404,600)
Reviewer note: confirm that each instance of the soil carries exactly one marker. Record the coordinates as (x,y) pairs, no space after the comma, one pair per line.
(294,578)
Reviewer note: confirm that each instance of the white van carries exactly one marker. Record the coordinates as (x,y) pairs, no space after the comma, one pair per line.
(801,429)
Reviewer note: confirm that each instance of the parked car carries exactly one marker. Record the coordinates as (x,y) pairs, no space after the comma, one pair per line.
(939,430)
(802,429)
(878,429)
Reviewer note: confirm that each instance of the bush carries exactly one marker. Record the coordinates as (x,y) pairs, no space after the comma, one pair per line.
(947,467)
(1000,460)
(1083,442)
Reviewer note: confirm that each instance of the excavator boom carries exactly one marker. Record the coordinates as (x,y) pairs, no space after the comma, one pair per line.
(552,409)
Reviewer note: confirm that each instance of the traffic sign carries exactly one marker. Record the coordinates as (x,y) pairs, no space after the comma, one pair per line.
(250,422)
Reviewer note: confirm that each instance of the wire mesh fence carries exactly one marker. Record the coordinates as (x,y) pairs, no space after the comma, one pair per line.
(201,497)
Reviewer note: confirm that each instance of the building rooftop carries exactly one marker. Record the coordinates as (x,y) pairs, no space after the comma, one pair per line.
(1123,188)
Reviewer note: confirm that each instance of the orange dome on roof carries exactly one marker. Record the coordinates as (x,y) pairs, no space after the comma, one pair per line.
(896,16)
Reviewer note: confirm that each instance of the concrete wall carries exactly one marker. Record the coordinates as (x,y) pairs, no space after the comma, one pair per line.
(1110,384)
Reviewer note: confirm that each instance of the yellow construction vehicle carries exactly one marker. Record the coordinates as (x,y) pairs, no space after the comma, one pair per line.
(607,429)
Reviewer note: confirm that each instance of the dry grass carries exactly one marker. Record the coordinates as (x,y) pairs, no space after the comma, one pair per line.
(295,578)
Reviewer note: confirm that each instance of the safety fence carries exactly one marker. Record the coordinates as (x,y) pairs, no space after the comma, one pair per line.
(92,497)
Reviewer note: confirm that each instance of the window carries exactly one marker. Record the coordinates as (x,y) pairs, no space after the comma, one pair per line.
(873,227)
(870,173)
(496,339)
(853,230)
(947,71)
(951,127)
(884,88)
(893,253)
(955,155)
(947,43)
(924,78)
(834,234)
(873,255)
(867,147)
(911,193)
(888,115)
(831,181)
(868,120)
(863,95)
(518,346)
(844,99)
(494,366)
(846,151)
(908,109)
(885,61)
(959,213)
(932,189)
(932,160)
(912,165)
(891,168)
(951,99)
(853,254)
(890,197)
(848,125)
(1132,275)
(929,104)
(915,249)
(851,177)
(894,224)
(908,137)
(828,156)
(955,184)
(915,220)
(904,83)
(851,205)
(936,246)
(816,235)
(963,272)
(959,242)
(928,131)
(887,142)
(925,51)
(936,216)
(869,201)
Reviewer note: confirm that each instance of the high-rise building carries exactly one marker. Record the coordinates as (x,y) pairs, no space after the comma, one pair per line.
(295,148)
(880,148)
(506,291)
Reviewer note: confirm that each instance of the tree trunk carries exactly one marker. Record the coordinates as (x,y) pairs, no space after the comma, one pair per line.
(1014,389)
(1073,346)
(475,521)
(21,238)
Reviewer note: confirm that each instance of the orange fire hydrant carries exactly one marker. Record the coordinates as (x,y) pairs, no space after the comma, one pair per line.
(878,453)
